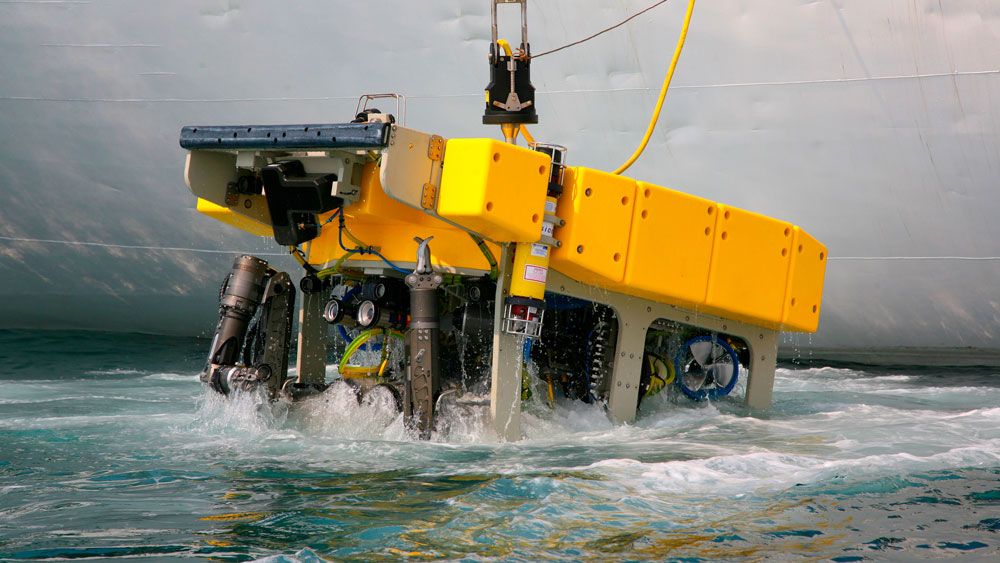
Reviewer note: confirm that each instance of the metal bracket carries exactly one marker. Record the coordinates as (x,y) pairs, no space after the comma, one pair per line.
(435,148)
(428,198)
(408,168)
(545,239)
(349,168)
(556,221)
(435,152)
(232,195)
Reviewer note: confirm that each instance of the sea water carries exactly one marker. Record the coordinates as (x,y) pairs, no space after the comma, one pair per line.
(111,448)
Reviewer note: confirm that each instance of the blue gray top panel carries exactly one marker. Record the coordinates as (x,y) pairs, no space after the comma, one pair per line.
(262,137)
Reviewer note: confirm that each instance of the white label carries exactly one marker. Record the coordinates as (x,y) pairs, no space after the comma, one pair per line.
(535,273)
(550,207)
(540,250)
(547,229)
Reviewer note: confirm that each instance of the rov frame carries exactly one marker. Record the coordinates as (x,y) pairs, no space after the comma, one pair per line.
(396,183)
(608,288)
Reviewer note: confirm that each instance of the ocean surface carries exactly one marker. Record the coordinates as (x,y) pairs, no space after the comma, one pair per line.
(110,448)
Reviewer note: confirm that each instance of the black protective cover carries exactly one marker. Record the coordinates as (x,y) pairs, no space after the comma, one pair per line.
(314,136)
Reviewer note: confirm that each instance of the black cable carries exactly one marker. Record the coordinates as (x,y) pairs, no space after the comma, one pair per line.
(619,24)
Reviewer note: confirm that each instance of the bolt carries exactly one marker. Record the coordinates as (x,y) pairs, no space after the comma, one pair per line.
(649,309)
(631,356)
(619,383)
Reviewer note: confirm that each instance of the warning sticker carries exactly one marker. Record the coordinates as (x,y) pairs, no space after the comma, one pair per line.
(540,250)
(550,207)
(535,273)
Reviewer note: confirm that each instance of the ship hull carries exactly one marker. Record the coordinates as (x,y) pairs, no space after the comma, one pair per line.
(871,126)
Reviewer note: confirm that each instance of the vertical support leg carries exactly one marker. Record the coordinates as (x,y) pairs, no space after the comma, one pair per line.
(311,361)
(423,371)
(623,395)
(763,360)
(505,392)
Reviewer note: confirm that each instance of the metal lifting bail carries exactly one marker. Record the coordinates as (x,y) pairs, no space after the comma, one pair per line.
(524,20)
(510,97)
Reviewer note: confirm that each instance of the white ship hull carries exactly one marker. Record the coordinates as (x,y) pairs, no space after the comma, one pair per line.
(872,125)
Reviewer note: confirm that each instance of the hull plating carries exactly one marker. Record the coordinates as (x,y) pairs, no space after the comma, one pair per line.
(871,125)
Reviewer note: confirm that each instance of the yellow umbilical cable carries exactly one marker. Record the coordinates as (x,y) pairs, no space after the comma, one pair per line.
(527,136)
(336,267)
(298,254)
(494,268)
(506,47)
(663,91)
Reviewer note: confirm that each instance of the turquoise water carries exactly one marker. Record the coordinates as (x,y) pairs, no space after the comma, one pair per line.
(110,448)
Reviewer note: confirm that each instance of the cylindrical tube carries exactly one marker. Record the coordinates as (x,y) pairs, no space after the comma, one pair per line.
(422,350)
(531,262)
(240,296)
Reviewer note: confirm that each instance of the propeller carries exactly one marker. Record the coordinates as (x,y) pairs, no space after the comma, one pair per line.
(707,367)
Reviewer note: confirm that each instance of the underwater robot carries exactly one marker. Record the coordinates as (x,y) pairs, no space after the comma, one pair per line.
(437,268)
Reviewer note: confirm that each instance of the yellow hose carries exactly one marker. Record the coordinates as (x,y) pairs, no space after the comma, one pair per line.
(505,46)
(356,240)
(348,372)
(298,254)
(527,136)
(663,91)
(494,268)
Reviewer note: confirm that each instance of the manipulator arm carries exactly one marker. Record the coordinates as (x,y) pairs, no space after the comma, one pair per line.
(263,359)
